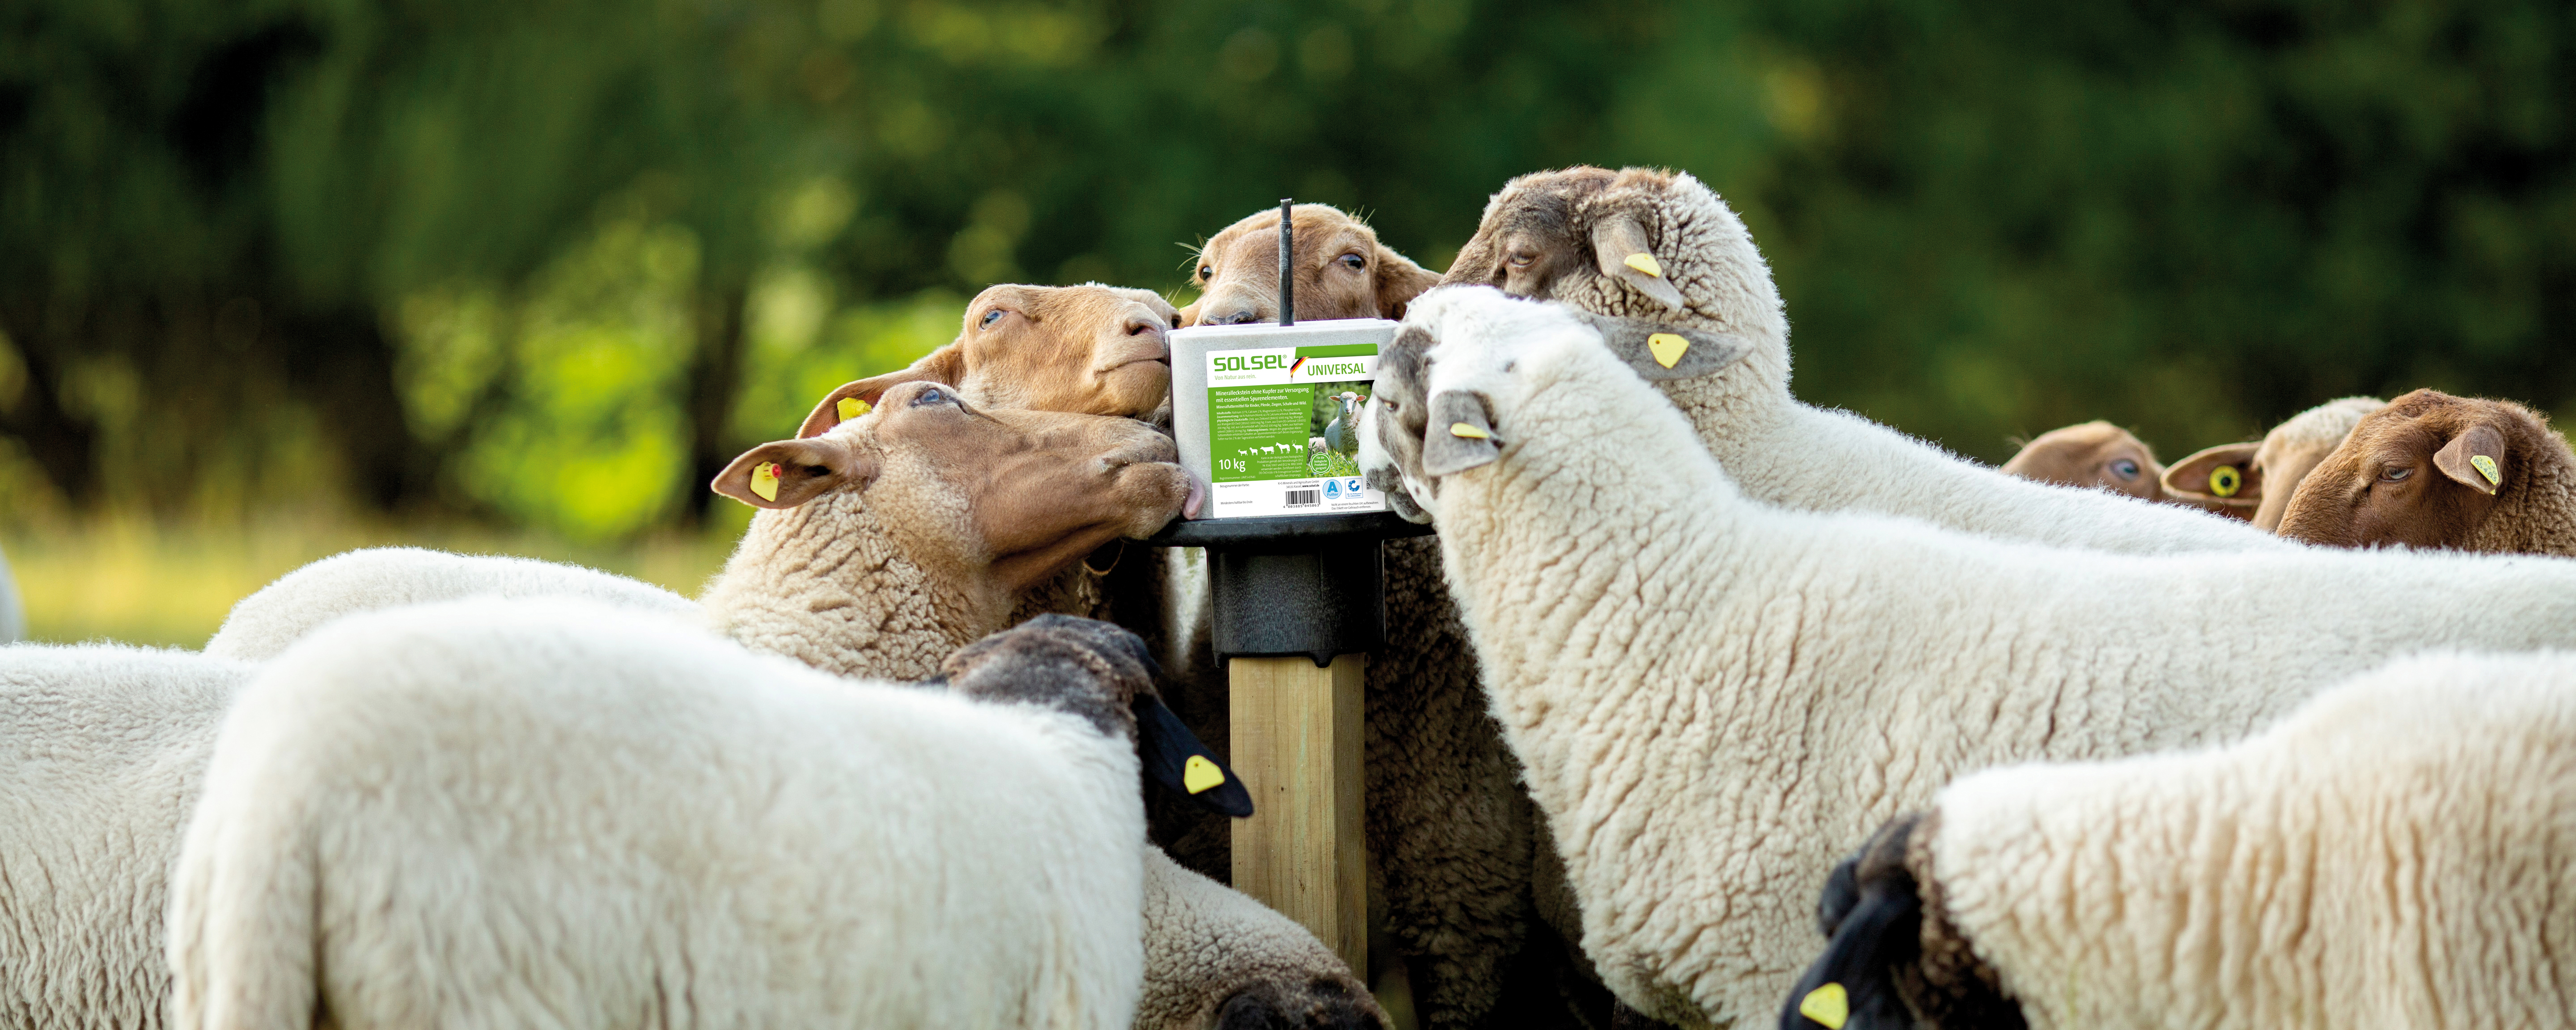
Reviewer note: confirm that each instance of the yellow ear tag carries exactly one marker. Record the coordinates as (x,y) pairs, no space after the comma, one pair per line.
(1667,348)
(1828,1005)
(1645,262)
(764,480)
(1200,775)
(2486,467)
(1468,431)
(2225,481)
(852,407)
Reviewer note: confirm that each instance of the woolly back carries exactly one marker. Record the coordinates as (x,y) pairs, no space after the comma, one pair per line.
(832,584)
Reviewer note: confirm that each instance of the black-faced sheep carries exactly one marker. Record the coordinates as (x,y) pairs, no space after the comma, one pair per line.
(2399,852)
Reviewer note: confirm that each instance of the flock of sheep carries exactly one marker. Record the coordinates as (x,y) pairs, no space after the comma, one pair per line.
(1799,720)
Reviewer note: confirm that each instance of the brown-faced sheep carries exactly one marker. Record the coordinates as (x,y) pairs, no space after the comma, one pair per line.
(1342,271)
(2096,454)
(2434,470)
(2256,480)
(1088,349)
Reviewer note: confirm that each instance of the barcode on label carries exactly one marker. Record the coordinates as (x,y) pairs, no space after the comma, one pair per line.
(1304,498)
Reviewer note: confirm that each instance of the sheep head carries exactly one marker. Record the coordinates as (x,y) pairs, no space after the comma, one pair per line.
(1088,349)
(1342,271)
(1892,960)
(2092,454)
(2257,480)
(1000,498)
(1104,675)
(1424,423)
(2425,471)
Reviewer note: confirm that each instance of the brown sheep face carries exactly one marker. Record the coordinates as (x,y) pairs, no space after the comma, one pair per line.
(998,499)
(2092,454)
(1342,271)
(1089,349)
(1550,231)
(2425,471)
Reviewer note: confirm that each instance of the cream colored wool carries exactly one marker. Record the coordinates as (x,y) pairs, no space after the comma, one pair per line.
(264,623)
(1220,958)
(1780,451)
(101,751)
(2401,852)
(505,813)
(1713,698)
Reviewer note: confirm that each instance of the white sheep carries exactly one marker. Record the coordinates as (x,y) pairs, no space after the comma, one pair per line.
(1659,246)
(1712,697)
(2398,852)
(495,813)
(264,623)
(101,751)
(2259,479)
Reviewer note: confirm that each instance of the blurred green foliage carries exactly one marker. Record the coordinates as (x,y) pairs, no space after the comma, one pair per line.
(546,265)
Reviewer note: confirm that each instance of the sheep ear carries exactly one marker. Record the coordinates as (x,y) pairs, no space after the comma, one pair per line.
(1172,756)
(1458,434)
(1397,281)
(1851,985)
(944,366)
(2474,459)
(1660,352)
(788,473)
(1619,245)
(2224,474)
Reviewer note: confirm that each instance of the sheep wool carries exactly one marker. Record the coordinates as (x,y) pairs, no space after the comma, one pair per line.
(2400,852)
(101,748)
(264,623)
(1776,449)
(1713,698)
(505,813)
(1228,961)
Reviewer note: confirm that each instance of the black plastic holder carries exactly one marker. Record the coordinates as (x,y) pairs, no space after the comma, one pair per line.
(1311,585)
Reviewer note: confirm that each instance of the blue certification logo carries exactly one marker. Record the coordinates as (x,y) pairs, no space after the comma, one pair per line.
(1354,488)
(1332,488)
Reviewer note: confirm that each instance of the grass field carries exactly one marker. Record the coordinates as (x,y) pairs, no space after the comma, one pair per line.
(144,582)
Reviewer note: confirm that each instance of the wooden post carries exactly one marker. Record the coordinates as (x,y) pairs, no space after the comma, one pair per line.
(1296,744)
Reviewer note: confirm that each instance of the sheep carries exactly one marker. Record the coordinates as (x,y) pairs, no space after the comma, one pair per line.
(1217,958)
(1710,696)
(498,812)
(264,623)
(1651,244)
(2395,853)
(13,615)
(2096,454)
(1342,271)
(100,758)
(1088,349)
(2434,470)
(2257,480)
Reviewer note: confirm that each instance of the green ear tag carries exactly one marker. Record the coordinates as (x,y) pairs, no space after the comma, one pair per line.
(1200,775)
(1645,262)
(2225,481)
(852,407)
(764,480)
(2486,467)
(1667,348)
(1828,1005)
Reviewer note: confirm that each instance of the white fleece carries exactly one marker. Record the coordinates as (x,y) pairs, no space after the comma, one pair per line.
(1714,698)
(264,623)
(101,751)
(499,813)
(2401,852)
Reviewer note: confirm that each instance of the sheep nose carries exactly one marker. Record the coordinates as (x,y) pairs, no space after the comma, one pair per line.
(1148,325)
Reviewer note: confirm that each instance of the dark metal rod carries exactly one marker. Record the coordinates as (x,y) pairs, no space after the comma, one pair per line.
(1287,282)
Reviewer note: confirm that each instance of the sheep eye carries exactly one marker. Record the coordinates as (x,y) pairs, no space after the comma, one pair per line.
(1354,262)
(2395,474)
(930,396)
(2125,469)
(1520,260)
(991,317)
(1207,271)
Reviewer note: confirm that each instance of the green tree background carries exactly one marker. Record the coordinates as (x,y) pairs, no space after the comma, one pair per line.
(522,275)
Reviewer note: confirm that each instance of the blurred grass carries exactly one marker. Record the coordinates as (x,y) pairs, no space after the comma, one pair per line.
(140,581)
